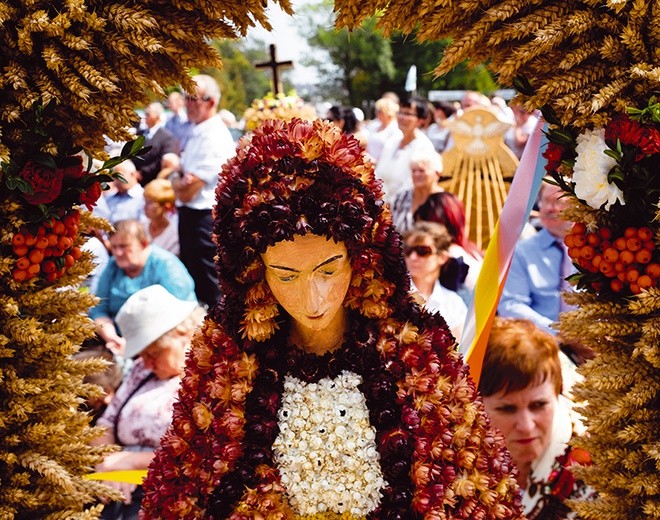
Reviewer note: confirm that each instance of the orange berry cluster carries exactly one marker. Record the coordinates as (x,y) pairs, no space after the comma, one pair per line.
(626,262)
(49,251)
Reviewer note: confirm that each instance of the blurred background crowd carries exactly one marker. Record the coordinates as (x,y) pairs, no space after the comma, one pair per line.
(155,273)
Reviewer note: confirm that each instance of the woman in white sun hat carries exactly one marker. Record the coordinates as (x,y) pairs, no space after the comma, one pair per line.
(158,328)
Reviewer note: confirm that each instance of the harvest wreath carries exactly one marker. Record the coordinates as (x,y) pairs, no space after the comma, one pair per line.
(72,72)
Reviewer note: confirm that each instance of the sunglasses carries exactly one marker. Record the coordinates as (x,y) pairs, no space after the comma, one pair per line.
(422,251)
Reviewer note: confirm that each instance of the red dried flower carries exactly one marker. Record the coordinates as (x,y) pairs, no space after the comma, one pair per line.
(553,154)
(624,129)
(91,196)
(46,183)
(650,144)
(72,167)
(632,133)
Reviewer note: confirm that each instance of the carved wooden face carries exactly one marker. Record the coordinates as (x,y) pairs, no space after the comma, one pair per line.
(309,276)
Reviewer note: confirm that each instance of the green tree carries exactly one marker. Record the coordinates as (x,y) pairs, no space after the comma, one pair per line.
(356,67)
(350,65)
(407,51)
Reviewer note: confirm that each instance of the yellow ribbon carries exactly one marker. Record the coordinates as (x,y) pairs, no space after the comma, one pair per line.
(129,476)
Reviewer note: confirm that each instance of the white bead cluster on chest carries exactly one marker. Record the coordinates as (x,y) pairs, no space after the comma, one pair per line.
(326,449)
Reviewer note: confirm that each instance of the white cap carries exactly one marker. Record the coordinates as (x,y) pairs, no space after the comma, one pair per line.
(147,315)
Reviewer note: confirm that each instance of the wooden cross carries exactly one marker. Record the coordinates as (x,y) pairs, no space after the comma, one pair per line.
(274,65)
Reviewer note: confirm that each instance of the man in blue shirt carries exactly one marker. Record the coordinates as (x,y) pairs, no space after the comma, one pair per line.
(127,203)
(539,267)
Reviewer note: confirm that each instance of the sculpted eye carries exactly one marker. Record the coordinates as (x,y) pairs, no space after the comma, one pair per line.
(331,266)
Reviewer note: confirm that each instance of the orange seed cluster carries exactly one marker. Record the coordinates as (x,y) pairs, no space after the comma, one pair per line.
(49,251)
(625,261)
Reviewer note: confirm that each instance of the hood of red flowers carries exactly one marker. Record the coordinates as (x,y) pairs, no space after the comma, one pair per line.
(307,177)
(292,178)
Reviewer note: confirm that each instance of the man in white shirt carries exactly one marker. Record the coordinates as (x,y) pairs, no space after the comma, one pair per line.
(209,146)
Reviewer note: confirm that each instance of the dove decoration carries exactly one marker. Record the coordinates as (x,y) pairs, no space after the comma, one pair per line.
(479,168)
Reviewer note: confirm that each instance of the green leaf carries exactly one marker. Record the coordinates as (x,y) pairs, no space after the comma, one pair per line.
(106,178)
(142,151)
(44,159)
(614,154)
(615,175)
(575,276)
(655,113)
(550,115)
(562,137)
(16,183)
(137,145)
(111,163)
(125,150)
(523,85)
(131,148)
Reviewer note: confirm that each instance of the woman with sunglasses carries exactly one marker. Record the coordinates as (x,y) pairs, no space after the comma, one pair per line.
(447,209)
(426,248)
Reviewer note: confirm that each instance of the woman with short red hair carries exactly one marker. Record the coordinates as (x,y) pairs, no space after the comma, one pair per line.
(521,386)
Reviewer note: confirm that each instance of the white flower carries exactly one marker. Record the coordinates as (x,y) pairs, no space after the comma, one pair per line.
(590,171)
(318,458)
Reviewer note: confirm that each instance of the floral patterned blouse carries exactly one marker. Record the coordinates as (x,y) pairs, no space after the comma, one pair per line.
(141,410)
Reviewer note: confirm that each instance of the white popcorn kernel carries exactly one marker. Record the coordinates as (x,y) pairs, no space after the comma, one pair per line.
(325,450)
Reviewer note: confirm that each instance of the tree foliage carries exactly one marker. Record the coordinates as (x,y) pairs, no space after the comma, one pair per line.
(350,64)
(407,51)
(356,67)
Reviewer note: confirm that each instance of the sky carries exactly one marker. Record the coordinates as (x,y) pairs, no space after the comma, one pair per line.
(290,45)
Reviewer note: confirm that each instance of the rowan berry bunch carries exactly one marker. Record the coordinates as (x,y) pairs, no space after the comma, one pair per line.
(624,263)
(48,249)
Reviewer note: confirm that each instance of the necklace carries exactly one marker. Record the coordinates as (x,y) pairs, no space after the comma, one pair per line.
(315,349)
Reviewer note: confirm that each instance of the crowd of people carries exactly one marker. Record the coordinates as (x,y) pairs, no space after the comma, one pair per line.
(159,276)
